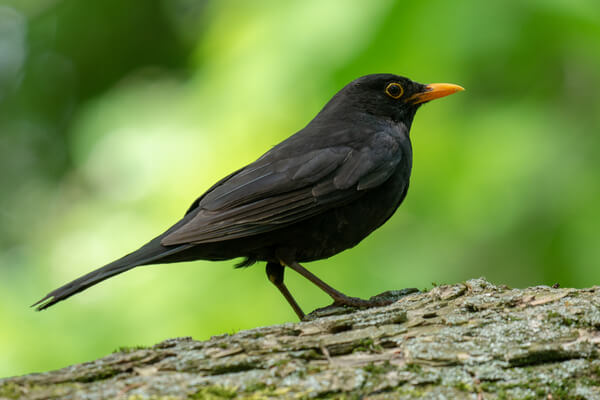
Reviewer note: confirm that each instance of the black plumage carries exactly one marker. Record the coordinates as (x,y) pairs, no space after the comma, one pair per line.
(317,193)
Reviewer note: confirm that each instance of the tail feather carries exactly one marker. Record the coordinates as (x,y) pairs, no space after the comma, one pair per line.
(151,253)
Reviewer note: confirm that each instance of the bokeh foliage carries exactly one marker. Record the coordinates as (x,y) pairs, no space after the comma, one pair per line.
(115,115)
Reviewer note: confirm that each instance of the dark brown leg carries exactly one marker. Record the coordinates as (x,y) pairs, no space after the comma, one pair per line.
(337,296)
(275,275)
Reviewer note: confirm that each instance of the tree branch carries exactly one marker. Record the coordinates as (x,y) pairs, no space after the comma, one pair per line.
(469,340)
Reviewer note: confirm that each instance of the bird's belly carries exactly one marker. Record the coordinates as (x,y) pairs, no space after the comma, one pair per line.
(343,227)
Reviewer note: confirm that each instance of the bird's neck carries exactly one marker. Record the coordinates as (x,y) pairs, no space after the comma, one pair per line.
(359,114)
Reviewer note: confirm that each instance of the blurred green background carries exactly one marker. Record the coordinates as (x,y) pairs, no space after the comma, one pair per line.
(116,115)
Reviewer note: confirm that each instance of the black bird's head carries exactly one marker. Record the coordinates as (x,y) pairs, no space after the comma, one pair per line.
(387,96)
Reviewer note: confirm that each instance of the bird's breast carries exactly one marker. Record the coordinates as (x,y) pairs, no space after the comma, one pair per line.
(344,227)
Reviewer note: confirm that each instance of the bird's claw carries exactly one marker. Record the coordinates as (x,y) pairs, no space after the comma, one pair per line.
(360,303)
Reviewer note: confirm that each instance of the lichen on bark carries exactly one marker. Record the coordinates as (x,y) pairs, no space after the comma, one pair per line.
(471,340)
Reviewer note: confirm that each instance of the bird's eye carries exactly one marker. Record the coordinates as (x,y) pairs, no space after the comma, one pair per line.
(394,90)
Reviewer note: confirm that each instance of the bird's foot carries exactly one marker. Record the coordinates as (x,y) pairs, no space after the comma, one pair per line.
(361,303)
(382,299)
(346,304)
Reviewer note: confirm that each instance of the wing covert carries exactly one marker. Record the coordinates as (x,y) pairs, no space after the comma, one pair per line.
(274,192)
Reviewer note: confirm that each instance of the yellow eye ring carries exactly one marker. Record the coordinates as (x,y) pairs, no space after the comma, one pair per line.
(394,90)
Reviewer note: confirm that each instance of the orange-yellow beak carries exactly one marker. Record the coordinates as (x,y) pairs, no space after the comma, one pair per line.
(435,91)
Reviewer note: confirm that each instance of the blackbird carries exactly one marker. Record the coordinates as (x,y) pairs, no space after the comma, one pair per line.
(317,193)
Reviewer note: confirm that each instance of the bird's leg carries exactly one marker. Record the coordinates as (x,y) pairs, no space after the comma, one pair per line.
(275,275)
(337,296)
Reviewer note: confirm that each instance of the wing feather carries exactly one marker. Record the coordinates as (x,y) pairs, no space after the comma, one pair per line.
(273,192)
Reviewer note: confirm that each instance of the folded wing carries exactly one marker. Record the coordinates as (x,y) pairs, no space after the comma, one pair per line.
(274,192)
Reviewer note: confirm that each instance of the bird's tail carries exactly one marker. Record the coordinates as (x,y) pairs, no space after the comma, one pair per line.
(152,252)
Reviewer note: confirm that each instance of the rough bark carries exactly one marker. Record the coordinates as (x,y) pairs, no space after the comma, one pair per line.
(471,340)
